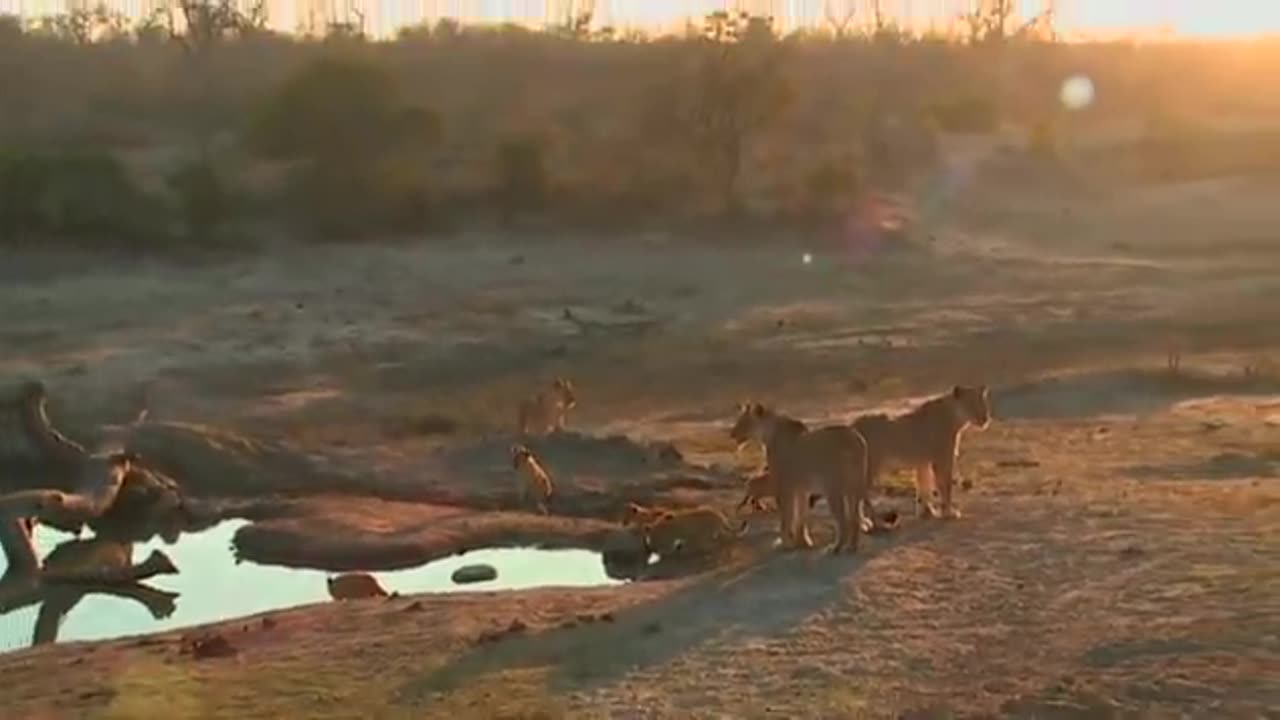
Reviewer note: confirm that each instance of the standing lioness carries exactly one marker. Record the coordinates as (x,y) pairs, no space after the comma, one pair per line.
(926,439)
(545,411)
(830,460)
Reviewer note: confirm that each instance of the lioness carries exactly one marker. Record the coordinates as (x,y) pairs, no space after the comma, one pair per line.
(698,530)
(640,515)
(354,586)
(829,460)
(545,411)
(926,439)
(537,483)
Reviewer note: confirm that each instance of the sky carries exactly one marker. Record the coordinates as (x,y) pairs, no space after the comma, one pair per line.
(1202,18)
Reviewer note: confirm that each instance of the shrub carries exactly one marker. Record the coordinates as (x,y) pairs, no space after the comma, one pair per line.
(522,181)
(75,193)
(965,114)
(344,124)
(203,200)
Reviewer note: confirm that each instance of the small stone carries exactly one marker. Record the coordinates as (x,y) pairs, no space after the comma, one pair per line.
(517,626)
(211,646)
(474,574)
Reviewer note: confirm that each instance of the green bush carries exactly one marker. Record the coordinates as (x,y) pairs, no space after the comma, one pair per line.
(203,199)
(79,194)
(359,148)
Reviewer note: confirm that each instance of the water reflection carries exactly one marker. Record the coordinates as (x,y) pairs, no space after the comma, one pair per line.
(210,586)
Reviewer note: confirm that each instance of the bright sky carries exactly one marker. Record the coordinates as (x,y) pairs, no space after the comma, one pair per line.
(1185,17)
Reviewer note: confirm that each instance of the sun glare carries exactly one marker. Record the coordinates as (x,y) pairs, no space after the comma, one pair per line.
(1077,92)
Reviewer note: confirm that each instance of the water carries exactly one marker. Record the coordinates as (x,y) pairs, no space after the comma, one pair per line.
(212,587)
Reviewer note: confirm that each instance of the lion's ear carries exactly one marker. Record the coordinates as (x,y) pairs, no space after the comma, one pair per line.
(757,409)
(957,391)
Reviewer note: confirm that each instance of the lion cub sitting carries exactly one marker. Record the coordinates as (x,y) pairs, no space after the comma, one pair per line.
(537,483)
(927,440)
(697,531)
(354,586)
(545,411)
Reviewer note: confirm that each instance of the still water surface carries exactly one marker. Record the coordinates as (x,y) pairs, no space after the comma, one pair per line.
(212,587)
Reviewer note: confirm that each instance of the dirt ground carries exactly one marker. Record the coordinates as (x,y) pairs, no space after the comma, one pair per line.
(1119,554)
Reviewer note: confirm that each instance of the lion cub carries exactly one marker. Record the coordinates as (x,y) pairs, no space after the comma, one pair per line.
(545,411)
(698,530)
(354,586)
(640,515)
(760,487)
(537,481)
(927,440)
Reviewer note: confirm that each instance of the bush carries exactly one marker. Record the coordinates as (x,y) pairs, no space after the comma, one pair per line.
(359,149)
(968,114)
(76,193)
(830,187)
(522,181)
(204,202)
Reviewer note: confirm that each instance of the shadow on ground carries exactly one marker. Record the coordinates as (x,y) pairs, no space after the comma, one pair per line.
(1117,392)
(722,604)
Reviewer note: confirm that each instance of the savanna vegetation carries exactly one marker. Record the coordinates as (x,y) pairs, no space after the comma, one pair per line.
(201,125)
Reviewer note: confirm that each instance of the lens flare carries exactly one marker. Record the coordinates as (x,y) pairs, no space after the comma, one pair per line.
(1077,92)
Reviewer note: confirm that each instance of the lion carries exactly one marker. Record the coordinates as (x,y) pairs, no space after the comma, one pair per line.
(831,461)
(696,530)
(30,506)
(639,515)
(757,488)
(926,439)
(536,481)
(354,586)
(545,411)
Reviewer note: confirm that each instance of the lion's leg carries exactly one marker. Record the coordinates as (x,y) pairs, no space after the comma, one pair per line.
(853,502)
(842,514)
(924,491)
(866,509)
(786,517)
(944,470)
(800,508)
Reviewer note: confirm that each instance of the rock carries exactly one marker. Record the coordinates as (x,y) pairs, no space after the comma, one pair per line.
(624,544)
(474,574)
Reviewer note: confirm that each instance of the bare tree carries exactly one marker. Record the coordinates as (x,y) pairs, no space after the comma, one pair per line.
(740,90)
(992,22)
(839,15)
(199,25)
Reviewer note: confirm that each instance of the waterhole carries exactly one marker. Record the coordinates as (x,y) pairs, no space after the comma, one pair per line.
(210,587)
